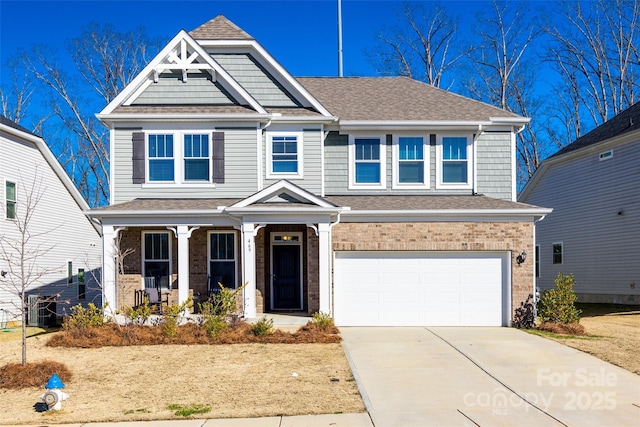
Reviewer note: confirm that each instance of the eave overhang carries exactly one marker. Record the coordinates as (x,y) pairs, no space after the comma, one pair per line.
(366,125)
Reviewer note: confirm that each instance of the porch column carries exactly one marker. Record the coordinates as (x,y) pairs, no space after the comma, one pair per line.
(183,233)
(324,267)
(249,270)
(109,299)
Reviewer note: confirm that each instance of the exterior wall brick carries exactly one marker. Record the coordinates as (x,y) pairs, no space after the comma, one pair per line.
(447,236)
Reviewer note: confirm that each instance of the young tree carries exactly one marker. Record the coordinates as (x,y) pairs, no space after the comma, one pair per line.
(22,250)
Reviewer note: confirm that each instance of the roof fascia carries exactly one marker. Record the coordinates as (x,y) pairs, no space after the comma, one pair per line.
(410,124)
(287,187)
(279,118)
(144,75)
(291,83)
(141,117)
(197,213)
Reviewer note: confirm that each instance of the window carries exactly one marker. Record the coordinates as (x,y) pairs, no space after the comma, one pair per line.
(454,164)
(157,258)
(82,289)
(606,155)
(411,166)
(367,162)
(11,200)
(161,167)
(284,153)
(537,261)
(69,273)
(557,253)
(196,157)
(222,258)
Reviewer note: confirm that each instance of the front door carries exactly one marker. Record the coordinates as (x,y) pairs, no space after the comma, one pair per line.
(286,277)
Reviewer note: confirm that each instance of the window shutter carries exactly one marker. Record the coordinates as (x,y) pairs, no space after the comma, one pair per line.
(138,157)
(218,157)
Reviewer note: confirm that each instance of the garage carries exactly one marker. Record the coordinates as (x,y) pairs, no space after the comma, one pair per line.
(421,288)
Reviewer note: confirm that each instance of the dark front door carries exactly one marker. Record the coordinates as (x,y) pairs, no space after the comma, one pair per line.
(286,277)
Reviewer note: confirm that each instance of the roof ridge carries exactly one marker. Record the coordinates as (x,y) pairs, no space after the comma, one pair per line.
(219,28)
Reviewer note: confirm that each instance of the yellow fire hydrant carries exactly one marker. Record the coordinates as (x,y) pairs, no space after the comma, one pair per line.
(53,397)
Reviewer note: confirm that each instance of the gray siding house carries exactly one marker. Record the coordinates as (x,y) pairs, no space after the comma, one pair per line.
(593,186)
(381,201)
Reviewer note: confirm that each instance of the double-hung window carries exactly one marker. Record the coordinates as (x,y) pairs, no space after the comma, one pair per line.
(284,153)
(367,162)
(161,158)
(411,162)
(557,253)
(157,258)
(454,166)
(196,157)
(11,200)
(222,258)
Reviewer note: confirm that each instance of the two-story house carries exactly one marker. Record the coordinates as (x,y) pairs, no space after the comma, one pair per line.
(48,247)
(382,201)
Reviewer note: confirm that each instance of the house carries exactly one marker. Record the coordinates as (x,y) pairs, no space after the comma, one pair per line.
(382,201)
(62,251)
(593,186)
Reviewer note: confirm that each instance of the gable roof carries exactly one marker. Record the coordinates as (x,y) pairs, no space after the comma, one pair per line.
(219,28)
(14,125)
(397,99)
(626,121)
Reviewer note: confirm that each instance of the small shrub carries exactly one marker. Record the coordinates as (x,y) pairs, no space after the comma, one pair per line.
(171,316)
(323,321)
(83,318)
(139,315)
(186,410)
(525,317)
(215,325)
(558,305)
(224,302)
(262,327)
(36,374)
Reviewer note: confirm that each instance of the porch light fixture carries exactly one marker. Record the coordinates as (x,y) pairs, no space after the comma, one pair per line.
(286,238)
(521,258)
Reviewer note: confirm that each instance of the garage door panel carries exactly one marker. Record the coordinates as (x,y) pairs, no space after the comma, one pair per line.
(419,288)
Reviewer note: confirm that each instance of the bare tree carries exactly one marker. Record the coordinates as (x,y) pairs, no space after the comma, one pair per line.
(423,47)
(22,251)
(15,96)
(594,49)
(105,62)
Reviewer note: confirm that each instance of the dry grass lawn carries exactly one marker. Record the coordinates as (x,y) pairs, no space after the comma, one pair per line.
(139,382)
(613,334)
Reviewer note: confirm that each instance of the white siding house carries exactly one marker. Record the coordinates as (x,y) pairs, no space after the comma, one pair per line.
(66,244)
(593,186)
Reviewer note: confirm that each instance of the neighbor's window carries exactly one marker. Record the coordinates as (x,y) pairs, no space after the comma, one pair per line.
(11,200)
(69,273)
(222,258)
(557,253)
(367,161)
(196,157)
(161,167)
(455,165)
(82,289)
(411,164)
(157,259)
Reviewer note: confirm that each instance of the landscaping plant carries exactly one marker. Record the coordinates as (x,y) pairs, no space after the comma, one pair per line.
(172,315)
(323,321)
(262,327)
(558,305)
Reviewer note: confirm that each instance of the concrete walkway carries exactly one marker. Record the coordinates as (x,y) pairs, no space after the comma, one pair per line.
(485,377)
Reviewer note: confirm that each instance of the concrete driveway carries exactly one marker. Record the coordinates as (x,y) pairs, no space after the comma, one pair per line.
(485,377)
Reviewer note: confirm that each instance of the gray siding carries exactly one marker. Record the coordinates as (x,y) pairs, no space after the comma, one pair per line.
(255,80)
(600,246)
(494,165)
(197,90)
(241,169)
(336,164)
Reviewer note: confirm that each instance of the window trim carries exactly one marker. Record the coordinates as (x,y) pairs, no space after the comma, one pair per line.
(353,185)
(300,155)
(144,256)
(395,151)
(235,252)
(183,158)
(7,201)
(439,162)
(553,254)
(148,158)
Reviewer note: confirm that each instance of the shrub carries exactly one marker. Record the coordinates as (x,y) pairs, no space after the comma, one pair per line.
(262,327)
(224,302)
(17,376)
(171,316)
(214,324)
(525,314)
(82,318)
(140,314)
(323,321)
(558,305)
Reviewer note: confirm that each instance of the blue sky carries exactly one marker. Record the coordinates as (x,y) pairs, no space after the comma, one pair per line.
(300,34)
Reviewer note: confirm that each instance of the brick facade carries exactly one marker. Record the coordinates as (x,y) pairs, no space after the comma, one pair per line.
(447,236)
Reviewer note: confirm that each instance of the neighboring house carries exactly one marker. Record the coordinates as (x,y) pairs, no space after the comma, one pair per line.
(62,242)
(382,201)
(593,186)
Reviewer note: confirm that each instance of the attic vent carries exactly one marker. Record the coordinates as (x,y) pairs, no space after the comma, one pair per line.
(606,155)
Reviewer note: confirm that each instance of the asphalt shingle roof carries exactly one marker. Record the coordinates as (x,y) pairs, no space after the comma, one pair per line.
(219,28)
(14,125)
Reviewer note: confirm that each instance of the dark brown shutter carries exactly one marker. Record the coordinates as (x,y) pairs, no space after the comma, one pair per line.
(138,157)
(217,175)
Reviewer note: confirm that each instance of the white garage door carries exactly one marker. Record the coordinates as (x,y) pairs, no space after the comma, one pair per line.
(420,289)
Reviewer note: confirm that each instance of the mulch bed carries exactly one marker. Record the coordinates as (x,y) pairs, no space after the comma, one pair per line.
(562,328)
(18,376)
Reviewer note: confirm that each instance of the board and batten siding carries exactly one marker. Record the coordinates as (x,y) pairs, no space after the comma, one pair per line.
(596,216)
(240,159)
(495,176)
(58,226)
